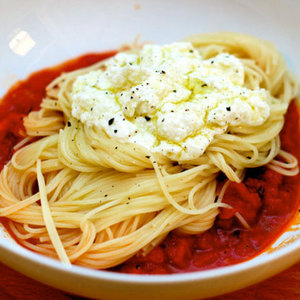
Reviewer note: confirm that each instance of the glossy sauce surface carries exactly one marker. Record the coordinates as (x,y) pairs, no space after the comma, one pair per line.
(266,199)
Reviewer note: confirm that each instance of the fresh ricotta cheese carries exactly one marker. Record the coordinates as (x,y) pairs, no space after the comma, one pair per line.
(168,99)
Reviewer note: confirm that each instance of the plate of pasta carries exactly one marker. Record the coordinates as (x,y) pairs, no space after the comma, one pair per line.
(151,156)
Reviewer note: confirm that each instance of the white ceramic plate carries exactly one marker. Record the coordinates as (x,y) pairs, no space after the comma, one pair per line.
(36,34)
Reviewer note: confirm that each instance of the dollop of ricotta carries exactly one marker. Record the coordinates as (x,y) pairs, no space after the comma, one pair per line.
(168,99)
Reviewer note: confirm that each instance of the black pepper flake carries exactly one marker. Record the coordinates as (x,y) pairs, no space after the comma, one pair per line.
(105,195)
(154,161)
(116,147)
(163,72)
(115,131)
(237,233)
(69,124)
(249,157)
(147,83)
(137,267)
(163,120)
(125,107)
(147,118)
(186,109)
(128,198)
(92,108)
(147,156)
(172,110)
(228,132)
(121,94)
(174,91)
(204,85)
(111,121)
(212,61)
(228,108)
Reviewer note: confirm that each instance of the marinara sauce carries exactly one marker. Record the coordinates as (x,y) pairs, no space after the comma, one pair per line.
(267,200)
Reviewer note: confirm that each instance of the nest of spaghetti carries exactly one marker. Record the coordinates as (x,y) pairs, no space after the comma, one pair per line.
(76,194)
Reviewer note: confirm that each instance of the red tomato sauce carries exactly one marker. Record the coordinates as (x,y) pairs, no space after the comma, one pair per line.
(267,200)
